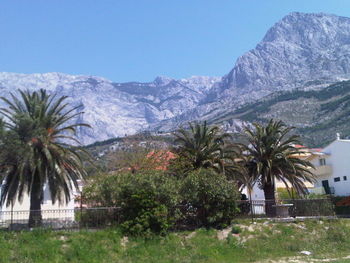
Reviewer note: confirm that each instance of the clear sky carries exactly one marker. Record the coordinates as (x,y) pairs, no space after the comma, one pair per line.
(126,40)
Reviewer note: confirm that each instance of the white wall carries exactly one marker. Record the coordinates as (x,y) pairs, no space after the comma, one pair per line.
(339,160)
(257,193)
(46,205)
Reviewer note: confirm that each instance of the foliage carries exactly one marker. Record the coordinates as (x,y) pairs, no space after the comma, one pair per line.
(211,197)
(180,166)
(236,229)
(37,151)
(146,200)
(264,105)
(95,218)
(284,194)
(312,207)
(330,106)
(103,190)
(146,216)
(272,155)
(138,156)
(341,205)
(316,196)
(202,146)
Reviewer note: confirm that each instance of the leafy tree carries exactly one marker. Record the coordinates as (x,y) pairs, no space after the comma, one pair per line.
(37,150)
(201,146)
(147,199)
(210,197)
(272,155)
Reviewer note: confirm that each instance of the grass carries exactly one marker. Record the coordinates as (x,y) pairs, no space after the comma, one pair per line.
(246,243)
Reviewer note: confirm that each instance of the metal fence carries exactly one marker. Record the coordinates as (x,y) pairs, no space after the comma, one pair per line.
(99,217)
(286,208)
(63,218)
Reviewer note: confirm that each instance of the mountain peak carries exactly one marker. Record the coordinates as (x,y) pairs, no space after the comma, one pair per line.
(162,80)
(299,48)
(298,27)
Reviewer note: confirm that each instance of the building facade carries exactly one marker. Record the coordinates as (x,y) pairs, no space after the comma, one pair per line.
(332,168)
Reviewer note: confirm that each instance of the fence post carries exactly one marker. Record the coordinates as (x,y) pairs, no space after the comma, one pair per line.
(251,202)
(11,216)
(81,209)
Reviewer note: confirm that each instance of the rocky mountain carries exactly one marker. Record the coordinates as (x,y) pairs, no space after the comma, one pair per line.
(318,114)
(115,109)
(296,50)
(304,52)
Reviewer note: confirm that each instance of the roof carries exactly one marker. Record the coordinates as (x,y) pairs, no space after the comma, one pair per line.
(161,159)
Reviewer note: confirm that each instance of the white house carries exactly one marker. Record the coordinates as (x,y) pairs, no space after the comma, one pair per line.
(20,211)
(258,194)
(332,168)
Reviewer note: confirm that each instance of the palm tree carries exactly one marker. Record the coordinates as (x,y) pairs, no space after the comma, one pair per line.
(37,150)
(272,155)
(201,146)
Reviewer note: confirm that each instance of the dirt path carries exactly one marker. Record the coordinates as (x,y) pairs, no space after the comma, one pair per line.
(305,259)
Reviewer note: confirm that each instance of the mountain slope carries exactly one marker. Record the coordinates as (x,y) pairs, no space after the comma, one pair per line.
(115,109)
(304,51)
(317,114)
(297,49)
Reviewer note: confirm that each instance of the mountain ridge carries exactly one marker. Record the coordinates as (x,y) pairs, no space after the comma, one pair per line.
(301,51)
(114,109)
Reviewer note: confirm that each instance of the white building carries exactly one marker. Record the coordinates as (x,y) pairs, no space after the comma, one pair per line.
(19,212)
(258,194)
(332,168)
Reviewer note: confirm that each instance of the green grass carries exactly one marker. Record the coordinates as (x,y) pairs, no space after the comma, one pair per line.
(255,243)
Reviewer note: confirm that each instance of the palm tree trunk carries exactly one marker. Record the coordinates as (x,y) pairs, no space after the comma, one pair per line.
(35,217)
(270,201)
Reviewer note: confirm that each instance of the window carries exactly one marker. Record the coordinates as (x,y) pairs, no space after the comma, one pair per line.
(337,179)
(322,161)
(345,178)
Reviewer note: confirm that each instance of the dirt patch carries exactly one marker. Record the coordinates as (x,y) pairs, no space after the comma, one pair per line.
(303,259)
(190,235)
(124,241)
(223,234)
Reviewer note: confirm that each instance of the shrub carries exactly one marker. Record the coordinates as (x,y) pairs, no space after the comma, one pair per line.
(146,200)
(342,205)
(283,194)
(210,198)
(236,230)
(312,207)
(147,203)
(146,216)
(97,217)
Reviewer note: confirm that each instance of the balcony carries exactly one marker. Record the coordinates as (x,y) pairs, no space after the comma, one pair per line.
(322,170)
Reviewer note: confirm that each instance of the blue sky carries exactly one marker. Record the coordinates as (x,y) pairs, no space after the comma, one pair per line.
(126,40)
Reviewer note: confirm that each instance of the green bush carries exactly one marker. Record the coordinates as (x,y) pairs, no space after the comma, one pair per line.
(147,203)
(341,209)
(97,217)
(146,216)
(209,198)
(104,190)
(146,200)
(312,207)
(236,230)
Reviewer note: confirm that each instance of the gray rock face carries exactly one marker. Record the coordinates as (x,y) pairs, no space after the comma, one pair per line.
(300,51)
(296,50)
(115,109)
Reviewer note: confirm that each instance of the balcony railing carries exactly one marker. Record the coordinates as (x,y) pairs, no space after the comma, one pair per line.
(322,170)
